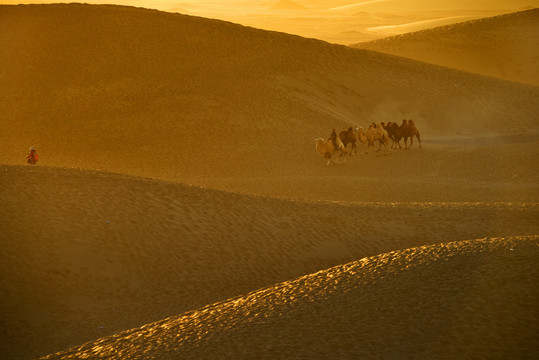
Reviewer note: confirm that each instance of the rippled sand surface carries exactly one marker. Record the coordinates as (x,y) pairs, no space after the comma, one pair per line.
(179,208)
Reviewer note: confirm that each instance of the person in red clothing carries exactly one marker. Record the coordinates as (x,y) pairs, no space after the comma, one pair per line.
(32,157)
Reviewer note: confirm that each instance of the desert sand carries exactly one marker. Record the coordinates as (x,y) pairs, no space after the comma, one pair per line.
(435,302)
(179,208)
(336,21)
(505,46)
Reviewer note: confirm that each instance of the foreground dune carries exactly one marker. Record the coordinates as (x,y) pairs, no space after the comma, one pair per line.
(469,299)
(503,46)
(89,254)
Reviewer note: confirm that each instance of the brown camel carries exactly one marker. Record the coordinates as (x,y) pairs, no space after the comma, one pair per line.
(394,133)
(409,130)
(349,137)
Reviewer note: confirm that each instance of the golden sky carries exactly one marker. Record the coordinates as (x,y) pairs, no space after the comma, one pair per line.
(246,5)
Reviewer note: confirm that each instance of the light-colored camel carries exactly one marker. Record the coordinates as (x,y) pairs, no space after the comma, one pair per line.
(376,132)
(361,135)
(327,149)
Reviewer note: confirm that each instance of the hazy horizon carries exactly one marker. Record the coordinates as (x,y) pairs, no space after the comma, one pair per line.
(336,21)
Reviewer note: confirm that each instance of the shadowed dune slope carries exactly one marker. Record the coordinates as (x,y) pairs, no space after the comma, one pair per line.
(88,254)
(177,97)
(504,46)
(469,299)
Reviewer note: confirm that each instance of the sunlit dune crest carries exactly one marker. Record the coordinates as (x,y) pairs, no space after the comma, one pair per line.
(418,25)
(504,46)
(107,252)
(466,299)
(336,21)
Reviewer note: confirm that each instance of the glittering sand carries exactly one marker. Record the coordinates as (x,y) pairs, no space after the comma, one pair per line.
(179,209)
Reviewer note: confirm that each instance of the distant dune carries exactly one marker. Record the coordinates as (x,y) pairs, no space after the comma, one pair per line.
(286,5)
(410,6)
(504,46)
(470,299)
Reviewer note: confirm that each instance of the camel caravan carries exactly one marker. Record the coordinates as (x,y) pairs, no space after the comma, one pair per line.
(336,145)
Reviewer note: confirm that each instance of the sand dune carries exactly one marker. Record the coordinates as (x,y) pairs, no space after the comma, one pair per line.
(406,6)
(471,299)
(388,30)
(286,5)
(177,170)
(88,254)
(504,46)
(336,21)
(198,100)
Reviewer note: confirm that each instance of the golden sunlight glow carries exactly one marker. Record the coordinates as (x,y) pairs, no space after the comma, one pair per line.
(336,21)
(210,189)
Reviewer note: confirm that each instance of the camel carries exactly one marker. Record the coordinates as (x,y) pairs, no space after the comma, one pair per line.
(327,148)
(349,137)
(376,132)
(408,130)
(394,133)
(361,135)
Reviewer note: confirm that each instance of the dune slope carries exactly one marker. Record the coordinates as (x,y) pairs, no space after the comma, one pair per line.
(141,120)
(470,299)
(88,254)
(182,98)
(504,46)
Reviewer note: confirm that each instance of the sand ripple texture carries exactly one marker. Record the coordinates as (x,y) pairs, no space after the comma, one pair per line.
(87,254)
(472,299)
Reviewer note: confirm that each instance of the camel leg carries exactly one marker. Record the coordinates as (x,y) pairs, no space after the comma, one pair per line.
(419,139)
(369,145)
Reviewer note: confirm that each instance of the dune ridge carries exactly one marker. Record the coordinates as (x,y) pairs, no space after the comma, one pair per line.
(88,254)
(503,46)
(104,89)
(364,308)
